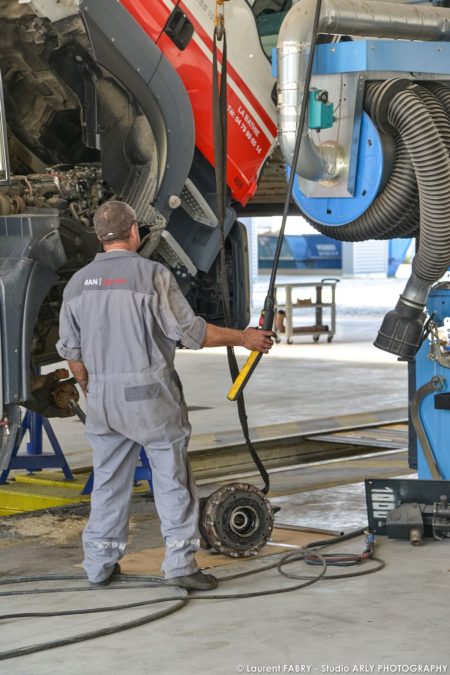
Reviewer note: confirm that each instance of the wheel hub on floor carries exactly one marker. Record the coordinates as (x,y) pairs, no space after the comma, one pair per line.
(237,520)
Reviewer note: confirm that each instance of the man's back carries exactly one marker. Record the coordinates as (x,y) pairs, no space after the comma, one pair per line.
(128,314)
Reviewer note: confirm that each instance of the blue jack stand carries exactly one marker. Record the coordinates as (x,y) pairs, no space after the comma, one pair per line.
(142,472)
(35,459)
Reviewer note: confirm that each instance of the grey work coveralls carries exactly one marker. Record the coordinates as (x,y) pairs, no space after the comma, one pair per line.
(122,315)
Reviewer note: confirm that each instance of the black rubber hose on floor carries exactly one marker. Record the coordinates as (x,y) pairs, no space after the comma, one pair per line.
(179,595)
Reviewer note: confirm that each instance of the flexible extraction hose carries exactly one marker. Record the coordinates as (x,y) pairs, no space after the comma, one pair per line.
(411,117)
(410,225)
(437,99)
(441,92)
(397,105)
(437,112)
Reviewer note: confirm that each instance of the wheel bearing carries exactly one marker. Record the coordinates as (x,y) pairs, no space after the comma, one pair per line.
(237,520)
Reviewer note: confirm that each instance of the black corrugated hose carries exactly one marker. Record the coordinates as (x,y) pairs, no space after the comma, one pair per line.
(441,92)
(420,120)
(410,115)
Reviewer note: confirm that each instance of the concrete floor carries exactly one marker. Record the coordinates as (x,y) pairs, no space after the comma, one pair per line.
(394,618)
(388,620)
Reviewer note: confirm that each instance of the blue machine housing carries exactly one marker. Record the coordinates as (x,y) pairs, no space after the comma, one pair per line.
(388,57)
(385,56)
(436,422)
(369,174)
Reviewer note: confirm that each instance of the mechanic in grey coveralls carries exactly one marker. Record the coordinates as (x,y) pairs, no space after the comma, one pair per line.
(120,322)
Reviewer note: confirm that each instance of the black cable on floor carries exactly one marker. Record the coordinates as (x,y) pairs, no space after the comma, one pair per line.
(179,602)
(180,597)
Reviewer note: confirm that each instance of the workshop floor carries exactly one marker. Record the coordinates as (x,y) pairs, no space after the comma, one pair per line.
(389,620)
(392,619)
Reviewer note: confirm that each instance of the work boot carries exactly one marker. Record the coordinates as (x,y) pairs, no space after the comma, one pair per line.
(194,582)
(105,582)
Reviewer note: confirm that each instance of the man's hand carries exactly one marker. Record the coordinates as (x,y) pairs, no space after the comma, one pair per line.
(78,370)
(254,339)
(257,340)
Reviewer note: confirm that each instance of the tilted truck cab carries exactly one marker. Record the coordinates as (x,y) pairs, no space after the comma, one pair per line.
(113,99)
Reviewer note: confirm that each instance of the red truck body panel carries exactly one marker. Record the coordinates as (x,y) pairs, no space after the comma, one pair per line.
(248,142)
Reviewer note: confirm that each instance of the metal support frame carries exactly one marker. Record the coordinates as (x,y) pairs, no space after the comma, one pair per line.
(142,472)
(35,459)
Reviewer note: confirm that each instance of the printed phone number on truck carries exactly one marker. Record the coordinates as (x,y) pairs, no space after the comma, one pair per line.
(246,125)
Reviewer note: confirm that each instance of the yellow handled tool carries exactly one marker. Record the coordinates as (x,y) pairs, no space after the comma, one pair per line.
(265,323)
(244,376)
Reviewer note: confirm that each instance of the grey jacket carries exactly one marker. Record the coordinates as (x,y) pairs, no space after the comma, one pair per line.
(124,314)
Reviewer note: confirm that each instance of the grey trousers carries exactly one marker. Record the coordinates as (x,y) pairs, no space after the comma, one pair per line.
(161,426)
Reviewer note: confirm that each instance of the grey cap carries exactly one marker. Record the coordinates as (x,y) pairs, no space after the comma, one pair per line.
(113,220)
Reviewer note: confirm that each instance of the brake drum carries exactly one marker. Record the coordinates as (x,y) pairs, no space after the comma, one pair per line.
(237,520)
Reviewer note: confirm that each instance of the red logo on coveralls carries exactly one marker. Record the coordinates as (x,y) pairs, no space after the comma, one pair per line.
(99,281)
(113,282)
